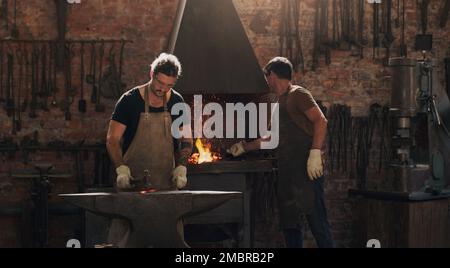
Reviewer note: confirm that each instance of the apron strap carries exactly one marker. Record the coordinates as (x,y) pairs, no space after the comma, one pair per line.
(165,104)
(147,88)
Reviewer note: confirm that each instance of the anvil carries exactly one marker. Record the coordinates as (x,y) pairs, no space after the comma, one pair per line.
(153,217)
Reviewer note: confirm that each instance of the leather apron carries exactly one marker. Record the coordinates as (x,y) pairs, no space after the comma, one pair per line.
(295,191)
(152,150)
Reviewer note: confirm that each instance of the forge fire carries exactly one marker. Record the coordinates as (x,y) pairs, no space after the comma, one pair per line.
(204,154)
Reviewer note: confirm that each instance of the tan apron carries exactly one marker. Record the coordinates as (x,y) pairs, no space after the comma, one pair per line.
(152,150)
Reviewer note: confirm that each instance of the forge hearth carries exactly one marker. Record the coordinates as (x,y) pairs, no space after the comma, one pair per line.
(238,175)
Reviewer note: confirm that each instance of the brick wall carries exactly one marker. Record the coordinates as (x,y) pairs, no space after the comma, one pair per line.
(348,80)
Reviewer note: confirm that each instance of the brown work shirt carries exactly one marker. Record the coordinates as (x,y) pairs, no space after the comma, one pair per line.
(300,100)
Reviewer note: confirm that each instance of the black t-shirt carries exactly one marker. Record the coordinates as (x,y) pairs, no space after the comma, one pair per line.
(128,111)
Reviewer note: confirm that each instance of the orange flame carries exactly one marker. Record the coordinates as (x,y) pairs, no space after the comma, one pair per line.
(204,154)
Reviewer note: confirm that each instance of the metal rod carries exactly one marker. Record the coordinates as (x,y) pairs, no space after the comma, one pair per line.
(68,40)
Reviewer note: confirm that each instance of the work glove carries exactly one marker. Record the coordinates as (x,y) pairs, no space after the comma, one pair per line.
(237,149)
(179,177)
(123,177)
(315,165)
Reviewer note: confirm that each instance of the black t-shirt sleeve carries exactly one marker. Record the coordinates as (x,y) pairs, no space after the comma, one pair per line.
(121,112)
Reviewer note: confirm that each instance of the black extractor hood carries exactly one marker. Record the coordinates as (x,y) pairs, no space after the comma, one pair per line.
(211,43)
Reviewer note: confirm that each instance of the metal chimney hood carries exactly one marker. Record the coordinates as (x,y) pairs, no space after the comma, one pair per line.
(214,50)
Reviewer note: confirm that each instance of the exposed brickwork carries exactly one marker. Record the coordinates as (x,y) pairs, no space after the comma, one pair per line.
(348,80)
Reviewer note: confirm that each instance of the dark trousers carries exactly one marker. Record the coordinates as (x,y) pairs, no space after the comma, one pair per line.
(317,221)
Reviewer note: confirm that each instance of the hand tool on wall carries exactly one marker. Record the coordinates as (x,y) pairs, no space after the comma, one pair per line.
(324,32)
(54,48)
(444,14)
(397,19)
(34,90)
(82,101)
(9,85)
(61,13)
(21,62)
(336,38)
(27,63)
(5,12)
(376,29)
(111,87)
(2,92)
(98,106)
(12,88)
(14,29)
(424,4)
(90,79)
(388,35)
(44,94)
(362,39)
(317,41)
(290,43)
(403,47)
(68,82)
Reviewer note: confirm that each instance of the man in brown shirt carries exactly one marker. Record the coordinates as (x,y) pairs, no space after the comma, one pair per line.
(302,131)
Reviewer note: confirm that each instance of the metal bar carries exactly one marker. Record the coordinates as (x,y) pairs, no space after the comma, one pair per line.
(85,41)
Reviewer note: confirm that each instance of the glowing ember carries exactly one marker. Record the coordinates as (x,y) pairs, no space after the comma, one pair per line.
(204,154)
(148,191)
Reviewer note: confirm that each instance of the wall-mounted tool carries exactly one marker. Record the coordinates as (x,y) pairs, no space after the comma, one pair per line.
(290,43)
(376,29)
(444,15)
(98,106)
(43,87)
(68,82)
(82,101)
(2,93)
(5,12)
(403,49)
(397,19)
(34,81)
(27,79)
(10,85)
(61,13)
(111,86)
(91,77)
(14,29)
(20,55)
(54,69)
(388,38)
(423,5)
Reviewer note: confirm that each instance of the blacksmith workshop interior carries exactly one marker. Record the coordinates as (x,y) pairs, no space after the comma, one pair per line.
(356,93)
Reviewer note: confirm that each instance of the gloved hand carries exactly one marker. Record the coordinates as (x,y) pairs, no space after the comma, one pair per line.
(179,177)
(315,165)
(123,177)
(237,149)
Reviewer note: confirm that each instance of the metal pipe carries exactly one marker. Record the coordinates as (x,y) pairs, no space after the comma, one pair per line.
(176,27)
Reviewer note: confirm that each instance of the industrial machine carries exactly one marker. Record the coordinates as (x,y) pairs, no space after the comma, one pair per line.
(420,115)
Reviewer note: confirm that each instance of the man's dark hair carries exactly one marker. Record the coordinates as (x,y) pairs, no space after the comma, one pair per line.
(167,64)
(282,67)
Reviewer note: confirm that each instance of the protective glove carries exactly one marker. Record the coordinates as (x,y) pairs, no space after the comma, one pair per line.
(123,177)
(179,177)
(315,165)
(237,149)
